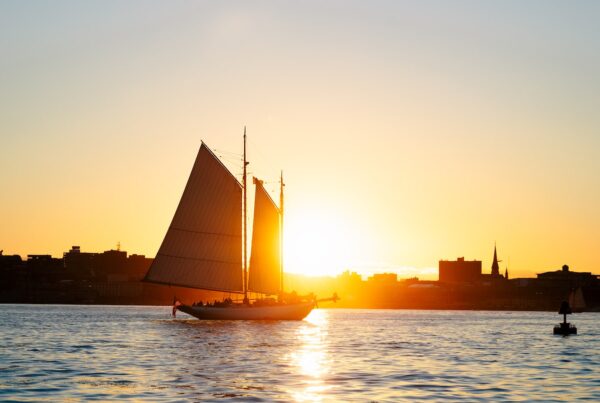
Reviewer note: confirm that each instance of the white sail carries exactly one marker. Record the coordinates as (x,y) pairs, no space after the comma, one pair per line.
(265,265)
(203,245)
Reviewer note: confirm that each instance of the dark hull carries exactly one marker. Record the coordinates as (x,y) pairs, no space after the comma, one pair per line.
(244,312)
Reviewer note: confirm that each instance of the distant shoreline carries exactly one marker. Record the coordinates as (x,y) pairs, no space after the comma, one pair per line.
(323,307)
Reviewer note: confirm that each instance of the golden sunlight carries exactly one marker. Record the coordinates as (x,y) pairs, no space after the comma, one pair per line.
(311,359)
(320,243)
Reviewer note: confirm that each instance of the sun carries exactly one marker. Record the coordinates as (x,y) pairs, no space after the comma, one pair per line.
(319,243)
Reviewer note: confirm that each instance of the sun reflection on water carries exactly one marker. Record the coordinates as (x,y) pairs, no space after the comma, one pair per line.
(311,358)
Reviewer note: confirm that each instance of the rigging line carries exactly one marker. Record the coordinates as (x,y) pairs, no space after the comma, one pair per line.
(234,157)
(205,232)
(262,155)
(229,158)
(228,152)
(257,149)
(225,155)
(241,175)
(197,259)
(235,162)
(268,160)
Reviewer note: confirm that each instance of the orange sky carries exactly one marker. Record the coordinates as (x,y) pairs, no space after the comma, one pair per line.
(408,133)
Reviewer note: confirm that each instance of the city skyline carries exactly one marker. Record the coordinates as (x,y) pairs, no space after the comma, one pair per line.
(408,133)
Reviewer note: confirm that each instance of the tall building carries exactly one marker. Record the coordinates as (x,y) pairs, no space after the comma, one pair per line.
(460,271)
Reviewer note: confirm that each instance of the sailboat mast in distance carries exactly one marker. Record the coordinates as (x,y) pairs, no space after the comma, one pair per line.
(245,225)
(281,232)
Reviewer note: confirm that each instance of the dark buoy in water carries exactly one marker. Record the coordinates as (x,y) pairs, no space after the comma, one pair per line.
(565,328)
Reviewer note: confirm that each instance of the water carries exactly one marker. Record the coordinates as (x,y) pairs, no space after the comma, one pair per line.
(116,353)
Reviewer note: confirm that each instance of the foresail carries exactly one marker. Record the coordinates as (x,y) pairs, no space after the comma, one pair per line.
(203,245)
(264,273)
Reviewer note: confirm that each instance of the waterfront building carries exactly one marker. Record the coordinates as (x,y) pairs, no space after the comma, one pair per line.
(78,263)
(384,278)
(459,271)
(9,261)
(567,277)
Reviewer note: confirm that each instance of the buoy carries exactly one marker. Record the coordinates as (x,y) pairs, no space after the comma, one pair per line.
(565,328)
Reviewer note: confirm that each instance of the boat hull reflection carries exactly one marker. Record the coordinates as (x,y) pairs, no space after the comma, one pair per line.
(241,312)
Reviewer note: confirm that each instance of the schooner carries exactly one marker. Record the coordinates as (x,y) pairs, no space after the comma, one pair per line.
(205,246)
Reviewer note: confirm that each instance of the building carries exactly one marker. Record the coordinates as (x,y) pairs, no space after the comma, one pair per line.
(79,264)
(495,273)
(9,261)
(384,278)
(568,278)
(459,271)
(495,265)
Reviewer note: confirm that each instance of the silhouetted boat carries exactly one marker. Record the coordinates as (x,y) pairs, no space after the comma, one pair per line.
(565,328)
(576,300)
(205,246)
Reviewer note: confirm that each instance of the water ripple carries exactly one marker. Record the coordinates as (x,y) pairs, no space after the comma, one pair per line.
(74,353)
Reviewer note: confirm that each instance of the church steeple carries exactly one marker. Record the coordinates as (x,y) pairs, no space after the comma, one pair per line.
(495,266)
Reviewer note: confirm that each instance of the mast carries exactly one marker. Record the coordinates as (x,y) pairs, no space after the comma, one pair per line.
(281,233)
(245,243)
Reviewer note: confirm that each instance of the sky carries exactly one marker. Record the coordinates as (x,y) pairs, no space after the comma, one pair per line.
(408,132)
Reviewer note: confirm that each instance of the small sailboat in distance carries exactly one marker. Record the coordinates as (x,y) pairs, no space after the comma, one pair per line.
(205,246)
(576,300)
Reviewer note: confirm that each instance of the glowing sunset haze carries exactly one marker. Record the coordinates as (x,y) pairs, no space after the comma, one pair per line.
(407,133)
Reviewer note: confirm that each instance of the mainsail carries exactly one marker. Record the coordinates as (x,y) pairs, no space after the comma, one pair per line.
(203,245)
(265,264)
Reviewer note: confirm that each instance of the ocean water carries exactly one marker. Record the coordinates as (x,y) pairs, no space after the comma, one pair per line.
(117,353)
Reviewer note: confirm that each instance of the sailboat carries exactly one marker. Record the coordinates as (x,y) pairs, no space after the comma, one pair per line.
(205,246)
(576,300)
